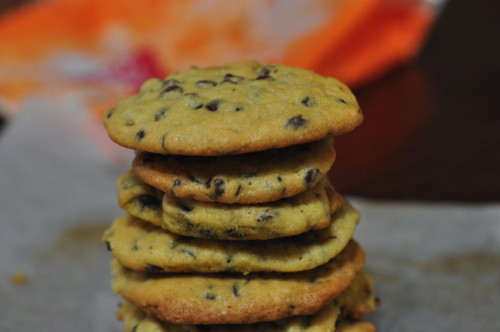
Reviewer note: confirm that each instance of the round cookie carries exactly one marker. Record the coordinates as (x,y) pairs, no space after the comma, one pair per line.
(324,320)
(287,217)
(140,199)
(246,179)
(238,299)
(237,108)
(141,246)
(290,216)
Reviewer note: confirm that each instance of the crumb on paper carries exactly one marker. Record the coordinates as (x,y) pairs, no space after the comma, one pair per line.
(18,278)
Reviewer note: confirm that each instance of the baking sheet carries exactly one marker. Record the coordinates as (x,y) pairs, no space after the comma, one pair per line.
(436,266)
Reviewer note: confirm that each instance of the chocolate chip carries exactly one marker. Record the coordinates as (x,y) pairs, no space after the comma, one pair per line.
(238,191)
(134,329)
(140,134)
(219,187)
(342,101)
(264,74)
(108,246)
(194,103)
(148,201)
(230,78)
(172,88)
(279,179)
(177,182)
(264,217)
(193,179)
(234,233)
(208,182)
(296,122)
(236,290)
(311,175)
(210,296)
(188,253)
(213,105)
(159,115)
(239,108)
(153,268)
(307,101)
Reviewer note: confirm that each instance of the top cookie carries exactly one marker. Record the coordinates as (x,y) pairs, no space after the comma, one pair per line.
(238,108)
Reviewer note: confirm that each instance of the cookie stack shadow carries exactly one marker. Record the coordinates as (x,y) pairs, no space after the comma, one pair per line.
(246,235)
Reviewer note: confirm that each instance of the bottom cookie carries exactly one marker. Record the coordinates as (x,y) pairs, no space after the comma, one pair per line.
(341,315)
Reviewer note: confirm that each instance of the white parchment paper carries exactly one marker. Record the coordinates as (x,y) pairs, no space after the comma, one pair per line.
(436,266)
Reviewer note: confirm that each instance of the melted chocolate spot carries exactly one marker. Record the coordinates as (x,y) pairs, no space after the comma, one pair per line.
(188,253)
(193,179)
(264,74)
(159,115)
(148,201)
(153,268)
(108,246)
(264,217)
(172,88)
(342,101)
(234,233)
(307,101)
(208,182)
(140,134)
(213,105)
(236,290)
(296,122)
(238,191)
(311,175)
(219,187)
(239,108)
(230,78)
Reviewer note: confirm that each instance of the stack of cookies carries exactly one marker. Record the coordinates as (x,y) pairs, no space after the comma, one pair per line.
(232,224)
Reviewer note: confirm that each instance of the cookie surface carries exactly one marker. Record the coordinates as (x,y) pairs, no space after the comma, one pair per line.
(235,298)
(286,217)
(248,178)
(140,246)
(140,199)
(359,293)
(237,108)
(295,215)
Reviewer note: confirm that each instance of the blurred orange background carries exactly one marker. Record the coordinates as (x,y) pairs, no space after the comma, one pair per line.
(100,51)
